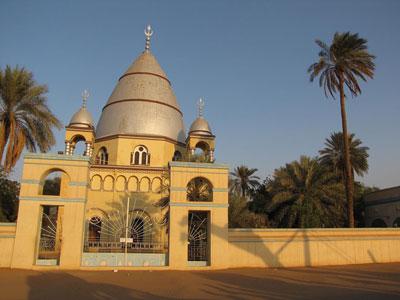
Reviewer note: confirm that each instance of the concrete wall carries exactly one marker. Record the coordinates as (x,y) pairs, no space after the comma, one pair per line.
(7,238)
(312,247)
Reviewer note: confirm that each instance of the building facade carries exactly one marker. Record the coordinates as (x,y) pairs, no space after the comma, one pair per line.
(382,208)
(113,204)
(144,193)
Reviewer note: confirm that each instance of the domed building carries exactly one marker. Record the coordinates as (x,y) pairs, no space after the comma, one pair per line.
(139,194)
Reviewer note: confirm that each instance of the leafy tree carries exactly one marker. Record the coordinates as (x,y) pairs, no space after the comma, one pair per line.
(9,191)
(52,186)
(243,180)
(341,65)
(239,215)
(304,195)
(25,119)
(332,155)
(260,197)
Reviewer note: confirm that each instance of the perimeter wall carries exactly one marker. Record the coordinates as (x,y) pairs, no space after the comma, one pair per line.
(7,238)
(312,247)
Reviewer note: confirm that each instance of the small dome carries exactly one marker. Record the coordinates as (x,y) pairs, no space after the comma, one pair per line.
(201,127)
(82,119)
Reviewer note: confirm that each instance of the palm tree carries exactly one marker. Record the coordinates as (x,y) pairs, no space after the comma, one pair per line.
(341,64)
(304,194)
(332,156)
(243,180)
(25,119)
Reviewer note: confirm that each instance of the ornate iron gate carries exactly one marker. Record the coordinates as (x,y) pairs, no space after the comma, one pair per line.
(198,236)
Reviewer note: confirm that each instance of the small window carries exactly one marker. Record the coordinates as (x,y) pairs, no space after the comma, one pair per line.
(102,156)
(140,156)
(177,156)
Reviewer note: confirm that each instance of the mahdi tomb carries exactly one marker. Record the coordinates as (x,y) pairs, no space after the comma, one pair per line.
(135,199)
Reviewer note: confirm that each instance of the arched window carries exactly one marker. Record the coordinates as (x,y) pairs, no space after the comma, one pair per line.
(177,156)
(378,223)
(140,156)
(102,156)
(199,189)
(137,231)
(94,228)
(53,182)
(141,228)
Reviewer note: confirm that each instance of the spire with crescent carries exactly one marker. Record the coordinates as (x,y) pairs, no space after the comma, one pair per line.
(148,32)
(200,106)
(85,96)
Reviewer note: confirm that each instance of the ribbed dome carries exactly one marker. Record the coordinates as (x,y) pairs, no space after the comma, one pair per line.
(200,126)
(142,104)
(82,119)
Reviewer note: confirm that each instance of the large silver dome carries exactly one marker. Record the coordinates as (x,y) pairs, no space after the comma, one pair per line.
(142,104)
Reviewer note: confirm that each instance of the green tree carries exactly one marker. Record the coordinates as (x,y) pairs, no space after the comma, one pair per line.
(332,155)
(25,119)
(9,191)
(341,65)
(240,216)
(304,195)
(243,180)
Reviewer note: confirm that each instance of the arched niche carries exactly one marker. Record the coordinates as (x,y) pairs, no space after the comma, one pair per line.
(156,185)
(145,184)
(108,183)
(120,184)
(95,183)
(133,184)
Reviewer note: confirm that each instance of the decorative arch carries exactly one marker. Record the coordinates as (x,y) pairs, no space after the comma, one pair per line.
(108,183)
(102,156)
(200,189)
(156,185)
(75,140)
(203,146)
(133,184)
(54,182)
(140,156)
(378,223)
(95,183)
(145,184)
(141,226)
(120,184)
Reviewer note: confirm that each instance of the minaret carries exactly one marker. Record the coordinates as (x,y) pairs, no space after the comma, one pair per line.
(80,128)
(200,135)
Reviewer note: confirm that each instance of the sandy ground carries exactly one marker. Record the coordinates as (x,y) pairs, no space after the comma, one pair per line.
(376,281)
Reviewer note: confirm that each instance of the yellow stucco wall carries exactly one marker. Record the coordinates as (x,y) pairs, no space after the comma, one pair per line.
(72,200)
(120,149)
(312,247)
(180,175)
(7,239)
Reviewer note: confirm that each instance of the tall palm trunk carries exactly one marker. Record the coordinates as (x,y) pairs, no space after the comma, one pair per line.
(348,178)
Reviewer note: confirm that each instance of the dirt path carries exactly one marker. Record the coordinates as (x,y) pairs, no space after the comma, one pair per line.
(377,281)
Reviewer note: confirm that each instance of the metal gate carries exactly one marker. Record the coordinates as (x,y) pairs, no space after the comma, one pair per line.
(198,236)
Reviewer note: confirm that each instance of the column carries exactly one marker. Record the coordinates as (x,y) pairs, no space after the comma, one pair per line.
(67,148)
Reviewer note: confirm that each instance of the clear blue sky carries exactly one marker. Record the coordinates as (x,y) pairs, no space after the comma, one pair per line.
(248,59)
